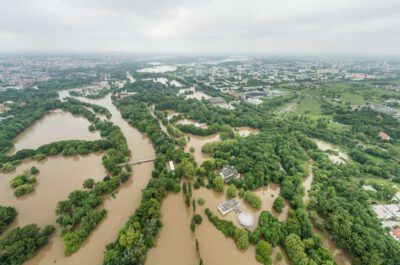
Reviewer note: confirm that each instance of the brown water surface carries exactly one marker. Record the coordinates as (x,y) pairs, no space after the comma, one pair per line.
(197,142)
(55,126)
(67,176)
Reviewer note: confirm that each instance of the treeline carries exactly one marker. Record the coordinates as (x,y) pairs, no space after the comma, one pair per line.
(22,243)
(138,234)
(7,216)
(66,82)
(365,120)
(290,165)
(29,106)
(96,108)
(374,157)
(166,99)
(78,215)
(91,94)
(239,235)
(210,130)
(348,214)
(28,110)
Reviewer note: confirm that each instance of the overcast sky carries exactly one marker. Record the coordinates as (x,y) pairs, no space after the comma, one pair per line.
(201,26)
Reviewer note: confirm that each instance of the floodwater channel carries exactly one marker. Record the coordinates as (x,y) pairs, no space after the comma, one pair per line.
(59,176)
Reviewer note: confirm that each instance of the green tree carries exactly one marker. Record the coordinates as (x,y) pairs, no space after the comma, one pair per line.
(279,203)
(197,219)
(231,191)
(252,199)
(218,184)
(34,171)
(241,238)
(263,252)
(296,250)
(88,183)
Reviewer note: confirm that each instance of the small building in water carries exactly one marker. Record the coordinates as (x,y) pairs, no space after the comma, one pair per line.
(228,206)
(229,173)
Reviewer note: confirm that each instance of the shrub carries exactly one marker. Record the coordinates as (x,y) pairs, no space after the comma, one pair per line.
(197,219)
(34,171)
(252,199)
(279,203)
(200,201)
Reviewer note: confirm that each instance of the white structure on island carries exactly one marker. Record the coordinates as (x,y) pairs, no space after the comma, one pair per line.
(245,219)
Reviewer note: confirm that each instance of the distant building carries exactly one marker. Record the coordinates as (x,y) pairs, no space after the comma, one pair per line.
(217,100)
(384,136)
(396,233)
(386,212)
(254,101)
(383,109)
(229,173)
(4,108)
(228,206)
(197,71)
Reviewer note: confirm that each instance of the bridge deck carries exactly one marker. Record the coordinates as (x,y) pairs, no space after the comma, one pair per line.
(139,161)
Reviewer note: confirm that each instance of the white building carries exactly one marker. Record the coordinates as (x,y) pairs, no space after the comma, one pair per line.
(228,206)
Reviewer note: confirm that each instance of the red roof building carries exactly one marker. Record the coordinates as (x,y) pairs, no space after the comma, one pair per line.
(396,233)
(384,136)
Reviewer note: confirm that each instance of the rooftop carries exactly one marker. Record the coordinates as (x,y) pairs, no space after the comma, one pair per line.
(245,219)
(229,173)
(228,206)
(217,100)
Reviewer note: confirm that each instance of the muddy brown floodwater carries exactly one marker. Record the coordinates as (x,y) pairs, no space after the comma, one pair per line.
(176,242)
(55,126)
(197,142)
(58,176)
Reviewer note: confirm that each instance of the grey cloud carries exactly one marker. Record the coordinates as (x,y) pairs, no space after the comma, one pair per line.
(262,26)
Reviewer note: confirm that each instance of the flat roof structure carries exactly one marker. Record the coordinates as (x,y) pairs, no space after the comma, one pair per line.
(388,211)
(229,173)
(228,206)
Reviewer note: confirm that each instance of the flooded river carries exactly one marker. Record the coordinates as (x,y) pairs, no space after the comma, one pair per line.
(55,126)
(59,176)
(176,242)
